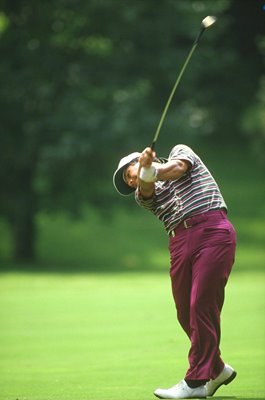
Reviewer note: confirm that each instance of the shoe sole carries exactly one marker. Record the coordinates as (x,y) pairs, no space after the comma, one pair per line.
(226,382)
(187,397)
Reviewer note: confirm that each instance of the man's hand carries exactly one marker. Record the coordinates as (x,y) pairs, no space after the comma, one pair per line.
(146,182)
(147,172)
(147,157)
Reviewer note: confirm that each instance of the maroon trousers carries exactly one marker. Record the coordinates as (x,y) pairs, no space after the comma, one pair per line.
(202,255)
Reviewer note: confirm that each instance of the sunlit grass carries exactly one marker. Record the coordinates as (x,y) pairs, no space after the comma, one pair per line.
(116,337)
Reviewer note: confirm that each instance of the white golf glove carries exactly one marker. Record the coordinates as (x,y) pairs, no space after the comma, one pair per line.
(148,174)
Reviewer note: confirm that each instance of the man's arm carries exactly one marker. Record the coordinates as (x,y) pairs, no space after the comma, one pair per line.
(172,170)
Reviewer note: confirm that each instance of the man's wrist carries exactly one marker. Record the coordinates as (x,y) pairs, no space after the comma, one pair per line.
(148,174)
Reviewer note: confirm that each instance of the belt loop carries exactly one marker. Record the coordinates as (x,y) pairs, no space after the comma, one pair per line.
(186,223)
(223,213)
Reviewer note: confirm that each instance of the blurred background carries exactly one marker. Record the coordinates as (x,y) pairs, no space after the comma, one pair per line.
(86,310)
(84,83)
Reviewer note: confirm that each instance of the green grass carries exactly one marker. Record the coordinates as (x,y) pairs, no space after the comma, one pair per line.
(115,336)
(131,242)
(93,318)
(126,242)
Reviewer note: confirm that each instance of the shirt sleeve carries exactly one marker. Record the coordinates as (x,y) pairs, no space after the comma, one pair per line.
(148,204)
(182,152)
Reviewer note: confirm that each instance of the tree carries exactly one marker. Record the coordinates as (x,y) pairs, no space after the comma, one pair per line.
(231,85)
(80,79)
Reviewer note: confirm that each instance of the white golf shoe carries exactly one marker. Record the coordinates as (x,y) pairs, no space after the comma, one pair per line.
(224,378)
(181,391)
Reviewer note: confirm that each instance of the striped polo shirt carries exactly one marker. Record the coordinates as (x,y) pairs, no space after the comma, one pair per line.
(193,193)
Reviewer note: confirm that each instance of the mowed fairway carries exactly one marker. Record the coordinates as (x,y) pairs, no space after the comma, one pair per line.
(115,336)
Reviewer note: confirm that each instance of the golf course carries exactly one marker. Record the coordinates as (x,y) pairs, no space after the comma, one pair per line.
(115,337)
(94,319)
(92,95)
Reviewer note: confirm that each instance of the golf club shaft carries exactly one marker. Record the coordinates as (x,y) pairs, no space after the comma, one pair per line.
(175,87)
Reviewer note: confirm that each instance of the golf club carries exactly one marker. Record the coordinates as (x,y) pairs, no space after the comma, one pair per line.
(206,23)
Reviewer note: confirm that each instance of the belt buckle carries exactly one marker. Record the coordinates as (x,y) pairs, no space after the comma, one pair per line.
(186,224)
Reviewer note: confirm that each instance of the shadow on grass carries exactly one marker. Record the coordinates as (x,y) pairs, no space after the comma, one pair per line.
(132,242)
(237,398)
(228,397)
(85,267)
(95,267)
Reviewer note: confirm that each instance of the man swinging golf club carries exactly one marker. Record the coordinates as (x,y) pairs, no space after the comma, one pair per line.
(183,194)
(185,197)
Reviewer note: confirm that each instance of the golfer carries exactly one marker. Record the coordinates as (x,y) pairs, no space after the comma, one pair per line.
(183,194)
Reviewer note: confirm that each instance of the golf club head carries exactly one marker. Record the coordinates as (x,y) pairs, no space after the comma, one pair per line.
(208,21)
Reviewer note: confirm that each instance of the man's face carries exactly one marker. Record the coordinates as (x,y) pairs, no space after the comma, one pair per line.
(130,175)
